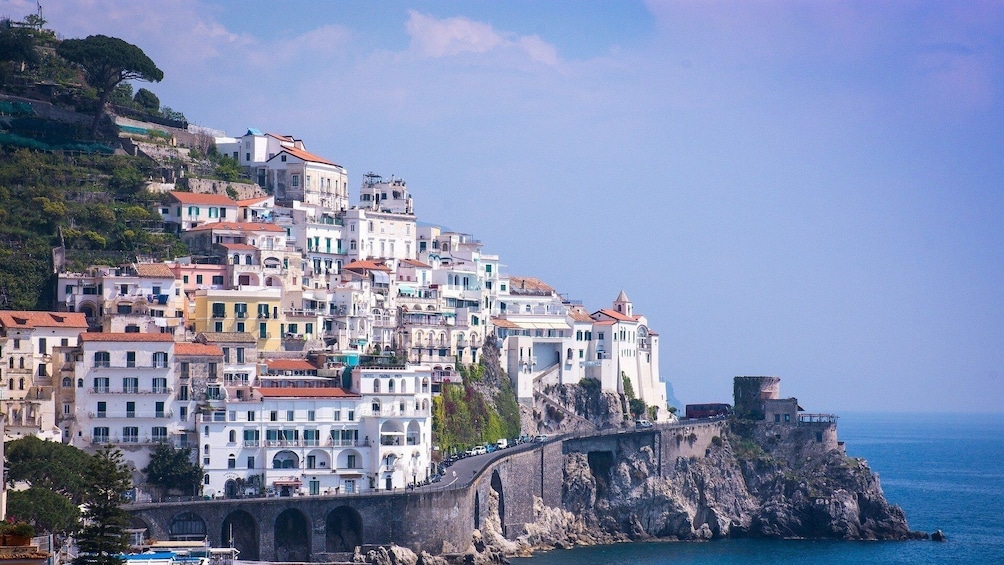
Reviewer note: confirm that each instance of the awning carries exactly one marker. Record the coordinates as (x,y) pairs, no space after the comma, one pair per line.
(542,324)
(350,475)
(405,289)
(287,482)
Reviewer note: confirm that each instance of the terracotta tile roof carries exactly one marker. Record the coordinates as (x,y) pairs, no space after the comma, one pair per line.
(95,336)
(226,337)
(305,155)
(503,323)
(252,201)
(238,226)
(528,283)
(290,365)
(415,263)
(200,349)
(204,199)
(579,314)
(615,315)
(604,322)
(22,553)
(238,246)
(296,392)
(280,137)
(25,319)
(365,266)
(154,270)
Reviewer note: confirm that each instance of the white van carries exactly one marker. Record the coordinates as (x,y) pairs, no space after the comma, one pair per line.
(502,443)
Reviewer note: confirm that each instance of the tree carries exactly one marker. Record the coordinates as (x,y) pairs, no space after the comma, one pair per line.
(106,62)
(48,465)
(147,100)
(45,509)
(103,537)
(173,469)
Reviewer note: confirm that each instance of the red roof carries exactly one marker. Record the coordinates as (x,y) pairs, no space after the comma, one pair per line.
(366,266)
(502,323)
(92,336)
(199,198)
(238,246)
(415,263)
(305,155)
(615,315)
(32,319)
(295,392)
(290,365)
(252,201)
(200,349)
(238,226)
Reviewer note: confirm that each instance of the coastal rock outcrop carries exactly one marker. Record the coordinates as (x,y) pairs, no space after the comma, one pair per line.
(757,480)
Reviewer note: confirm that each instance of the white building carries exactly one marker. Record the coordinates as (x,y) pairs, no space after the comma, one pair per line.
(185,210)
(125,393)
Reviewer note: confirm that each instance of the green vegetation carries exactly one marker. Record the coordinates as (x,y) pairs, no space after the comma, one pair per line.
(103,537)
(462,416)
(106,62)
(95,205)
(173,469)
(47,465)
(44,509)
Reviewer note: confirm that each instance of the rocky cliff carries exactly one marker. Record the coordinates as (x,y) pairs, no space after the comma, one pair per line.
(757,480)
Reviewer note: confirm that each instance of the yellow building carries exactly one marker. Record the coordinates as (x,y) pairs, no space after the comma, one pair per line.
(256,311)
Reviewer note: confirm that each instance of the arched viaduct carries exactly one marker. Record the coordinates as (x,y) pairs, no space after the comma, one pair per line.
(312,528)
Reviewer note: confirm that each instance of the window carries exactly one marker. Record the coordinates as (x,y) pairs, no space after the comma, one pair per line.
(240,327)
(251,462)
(102,410)
(130,434)
(295,177)
(185,369)
(233,436)
(160,360)
(240,354)
(183,413)
(217,279)
(250,415)
(159,410)
(101,384)
(218,327)
(183,392)
(263,330)
(273,416)
(67,382)
(159,434)
(130,359)
(130,384)
(198,279)
(338,415)
(100,435)
(241,310)
(289,415)
(130,409)
(101,359)
(352,415)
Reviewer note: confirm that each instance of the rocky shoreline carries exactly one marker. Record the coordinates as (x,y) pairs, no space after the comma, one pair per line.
(757,480)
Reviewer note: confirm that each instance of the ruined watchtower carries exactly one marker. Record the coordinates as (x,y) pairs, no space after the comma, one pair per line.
(750,392)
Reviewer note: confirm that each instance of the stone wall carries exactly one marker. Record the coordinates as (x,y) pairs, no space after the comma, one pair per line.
(244,190)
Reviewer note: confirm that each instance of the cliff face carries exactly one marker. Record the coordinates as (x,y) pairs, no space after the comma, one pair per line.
(758,481)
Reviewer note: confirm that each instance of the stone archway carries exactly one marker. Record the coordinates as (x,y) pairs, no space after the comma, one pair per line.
(292,536)
(240,530)
(497,487)
(343,530)
(187,526)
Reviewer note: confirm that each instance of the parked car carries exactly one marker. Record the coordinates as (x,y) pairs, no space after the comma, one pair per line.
(477,450)
(639,424)
(540,439)
(502,443)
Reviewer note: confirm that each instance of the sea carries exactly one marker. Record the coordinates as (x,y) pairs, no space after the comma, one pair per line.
(945,470)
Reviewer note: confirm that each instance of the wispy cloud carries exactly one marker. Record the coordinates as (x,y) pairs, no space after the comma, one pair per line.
(434,37)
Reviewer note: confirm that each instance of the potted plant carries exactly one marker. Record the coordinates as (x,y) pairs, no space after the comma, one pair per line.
(16,532)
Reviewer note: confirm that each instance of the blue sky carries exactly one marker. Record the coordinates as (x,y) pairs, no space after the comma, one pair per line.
(805,189)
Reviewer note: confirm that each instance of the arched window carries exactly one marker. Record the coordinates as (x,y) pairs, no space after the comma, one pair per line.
(80,383)
(247,259)
(10,384)
(205,479)
(67,382)
(237,259)
(20,363)
(404,387)
(352,244)
(232,462)
(205,449)
(376,407)
(11,362)
(425,385)
(390,386)
(20,383)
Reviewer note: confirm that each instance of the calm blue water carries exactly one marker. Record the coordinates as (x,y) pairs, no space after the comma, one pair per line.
(945,470)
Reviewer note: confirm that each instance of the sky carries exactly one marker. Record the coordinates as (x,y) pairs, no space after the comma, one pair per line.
(811,190)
